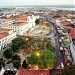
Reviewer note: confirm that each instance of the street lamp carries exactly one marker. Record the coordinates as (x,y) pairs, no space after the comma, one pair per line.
(37,54)
(27,38)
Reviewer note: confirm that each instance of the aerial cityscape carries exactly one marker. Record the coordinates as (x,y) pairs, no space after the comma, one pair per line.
(37,37)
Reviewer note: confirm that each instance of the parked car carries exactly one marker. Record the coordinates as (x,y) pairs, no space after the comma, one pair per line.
(9,71)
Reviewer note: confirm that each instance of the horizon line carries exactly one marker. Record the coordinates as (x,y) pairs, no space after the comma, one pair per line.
(43,5)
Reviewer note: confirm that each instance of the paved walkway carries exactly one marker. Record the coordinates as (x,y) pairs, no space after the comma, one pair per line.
(2,71)
(22,56)
(38,31)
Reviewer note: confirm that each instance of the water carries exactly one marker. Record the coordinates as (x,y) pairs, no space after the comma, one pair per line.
(59,7)
(72,9)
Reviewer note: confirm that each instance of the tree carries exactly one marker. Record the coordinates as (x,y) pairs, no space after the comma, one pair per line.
(15,47)
(49,46)
(17,43)
(24,65)
(43,59)
(2,62)
(16,57)
(37,21)
(69,70)
(20,40)
(16,64)
(8,52)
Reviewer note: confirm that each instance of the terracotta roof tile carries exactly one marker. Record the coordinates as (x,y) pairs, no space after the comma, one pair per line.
(72,32)
(5,33)
(21,23)
(22,17)
(32,72)
(65,23)
(2,36)
(5,29)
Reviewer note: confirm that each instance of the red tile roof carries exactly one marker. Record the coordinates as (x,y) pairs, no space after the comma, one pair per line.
(58,19)
(72,32)
(65,23)
(5,33)
(2,36)
(22,17)
(5,29)
(21,23)
(22,71)
(7,19)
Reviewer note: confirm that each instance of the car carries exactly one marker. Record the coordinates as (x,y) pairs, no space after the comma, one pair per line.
(58,28)
(61,48)
(60,40)
(59,31)
(9,71)
(62,65)
(59,53)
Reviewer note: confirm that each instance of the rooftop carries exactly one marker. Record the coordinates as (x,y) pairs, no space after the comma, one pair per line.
(21,23)
(66,23)
(22,71)
(5,29)
(72,33)
(2,36)
(20,17)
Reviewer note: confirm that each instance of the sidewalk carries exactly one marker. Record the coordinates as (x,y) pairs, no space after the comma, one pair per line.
(2,71)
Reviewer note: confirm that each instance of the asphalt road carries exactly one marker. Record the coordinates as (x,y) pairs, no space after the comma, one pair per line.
(59,54)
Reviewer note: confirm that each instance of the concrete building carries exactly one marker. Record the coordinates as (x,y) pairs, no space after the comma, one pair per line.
(20,24)
(6,36)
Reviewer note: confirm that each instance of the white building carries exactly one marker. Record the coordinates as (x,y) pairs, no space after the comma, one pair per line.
(20,24)
(2,71)
(6,37)
(72,47)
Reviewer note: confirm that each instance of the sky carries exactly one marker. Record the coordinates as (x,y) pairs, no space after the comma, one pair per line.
(35,2)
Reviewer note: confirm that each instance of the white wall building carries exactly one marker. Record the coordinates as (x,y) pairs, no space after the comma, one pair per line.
(72,47)
(2,71)
(6,37)
(20,24)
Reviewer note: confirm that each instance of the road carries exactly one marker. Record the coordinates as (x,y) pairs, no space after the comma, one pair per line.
(59,54)
(60,59)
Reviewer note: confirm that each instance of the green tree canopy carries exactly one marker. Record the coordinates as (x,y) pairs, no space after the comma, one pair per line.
(16,57)
(69,70)
(37,21)
(15,47)
(17,43)
(8,52)
(17,64)
(2,62)
(24,65)
(45,59)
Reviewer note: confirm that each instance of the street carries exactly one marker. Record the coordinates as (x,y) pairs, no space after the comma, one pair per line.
(59,53)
